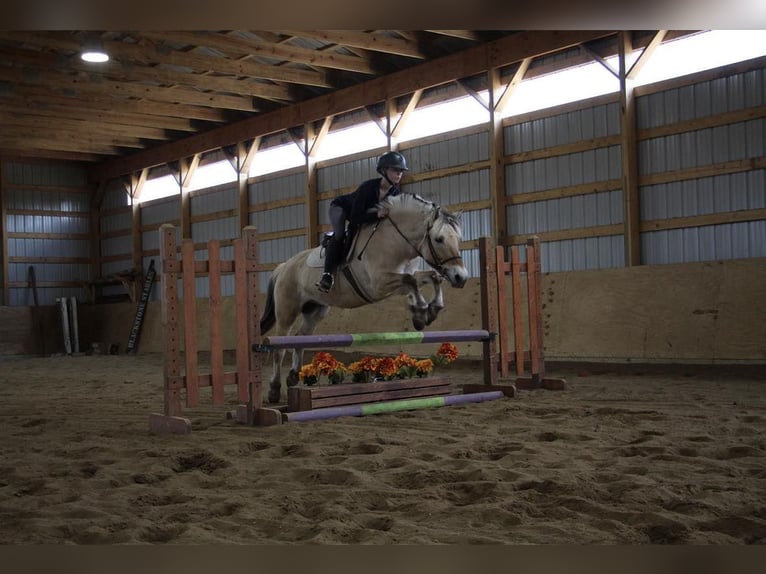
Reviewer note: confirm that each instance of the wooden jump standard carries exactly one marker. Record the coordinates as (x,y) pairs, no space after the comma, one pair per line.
(497,354)
(247,374)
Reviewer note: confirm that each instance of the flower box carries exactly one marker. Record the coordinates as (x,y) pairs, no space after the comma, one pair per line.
(304,398)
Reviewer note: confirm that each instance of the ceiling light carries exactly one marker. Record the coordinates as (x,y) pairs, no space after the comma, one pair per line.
(93,51)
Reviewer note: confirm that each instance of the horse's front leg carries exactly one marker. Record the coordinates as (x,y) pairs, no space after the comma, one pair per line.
(311,316)
(436,303)
(418,303)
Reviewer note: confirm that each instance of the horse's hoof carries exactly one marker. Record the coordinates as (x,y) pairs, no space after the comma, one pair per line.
(274,396)
(292,379)
(419,324)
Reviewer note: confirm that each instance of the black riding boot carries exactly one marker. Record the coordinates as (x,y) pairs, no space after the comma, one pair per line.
(332,256)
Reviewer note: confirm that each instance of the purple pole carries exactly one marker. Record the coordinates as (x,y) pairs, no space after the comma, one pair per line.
(391,406)
(346,340)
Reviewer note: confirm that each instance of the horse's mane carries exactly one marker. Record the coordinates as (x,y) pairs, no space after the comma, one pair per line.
(405,203)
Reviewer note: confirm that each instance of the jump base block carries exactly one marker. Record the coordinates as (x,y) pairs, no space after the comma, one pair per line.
(303,398)
(532,383)
(165,424)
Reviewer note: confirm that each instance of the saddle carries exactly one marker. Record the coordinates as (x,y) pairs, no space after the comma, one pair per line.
(316,258)
(347,244)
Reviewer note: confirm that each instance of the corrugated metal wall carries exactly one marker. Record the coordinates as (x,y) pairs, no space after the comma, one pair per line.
(700,148)
(213,209)
(557,174)
(48,228)
(278,211)
(153,214)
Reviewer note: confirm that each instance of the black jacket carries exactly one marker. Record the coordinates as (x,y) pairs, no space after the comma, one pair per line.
(357,203)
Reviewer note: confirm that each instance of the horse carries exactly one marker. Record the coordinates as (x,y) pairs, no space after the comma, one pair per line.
(381,262)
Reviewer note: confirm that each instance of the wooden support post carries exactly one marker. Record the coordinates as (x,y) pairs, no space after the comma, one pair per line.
(489,304)
(533,303)
(191,373)
(518,320)
(170,421)
(216,319)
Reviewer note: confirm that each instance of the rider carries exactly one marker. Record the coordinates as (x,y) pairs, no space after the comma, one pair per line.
(355,207)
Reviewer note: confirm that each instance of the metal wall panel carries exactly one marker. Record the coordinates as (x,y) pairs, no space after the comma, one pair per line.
(565,213)
(705,243)
(276,188)
(54,174)
(225,228)
(45,190)
(116,222)
(565,170)
(221,198)
(346,174)
(585,253)
(279,250)
(699,149)
(279,219)
(454,189)
(562,129)
(115,196)
(721,95)
(447,152)
(581,211)
(738,141)
(163,211)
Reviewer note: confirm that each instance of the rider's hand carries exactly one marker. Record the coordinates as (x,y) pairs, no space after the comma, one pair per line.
(382,212)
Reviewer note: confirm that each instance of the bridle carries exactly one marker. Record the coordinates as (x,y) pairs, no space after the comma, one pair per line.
(435,263)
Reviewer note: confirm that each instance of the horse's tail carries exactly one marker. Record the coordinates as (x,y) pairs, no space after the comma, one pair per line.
(269,317)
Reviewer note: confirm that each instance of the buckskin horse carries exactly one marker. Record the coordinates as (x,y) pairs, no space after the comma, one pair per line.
(381,262)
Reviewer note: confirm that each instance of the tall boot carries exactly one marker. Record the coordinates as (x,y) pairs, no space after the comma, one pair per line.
(332,257)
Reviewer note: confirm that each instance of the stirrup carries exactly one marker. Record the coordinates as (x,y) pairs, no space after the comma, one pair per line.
(325,283)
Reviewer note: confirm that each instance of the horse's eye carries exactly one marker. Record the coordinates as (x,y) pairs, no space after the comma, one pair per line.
(440,239)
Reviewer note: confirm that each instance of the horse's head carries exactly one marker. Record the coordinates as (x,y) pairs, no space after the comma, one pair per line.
(443,238)
(433,231)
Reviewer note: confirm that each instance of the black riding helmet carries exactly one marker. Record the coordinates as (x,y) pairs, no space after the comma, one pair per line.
(391,159)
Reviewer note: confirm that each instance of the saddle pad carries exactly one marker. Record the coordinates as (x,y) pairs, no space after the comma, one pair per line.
(315,258)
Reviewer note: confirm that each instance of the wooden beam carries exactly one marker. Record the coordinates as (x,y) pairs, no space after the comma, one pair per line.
(473,61)
(496,167)
(412,103)
(53,80)
(646,53)
(43,109)
(311,204)
(463,34)
(629,158)
(40,96)
(372,41)
(114,70)
(238,47)
(473,93)
(153,53)
(600,60)
(510,88)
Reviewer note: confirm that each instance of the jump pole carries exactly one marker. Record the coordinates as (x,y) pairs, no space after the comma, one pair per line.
(362,339)
(390,406)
